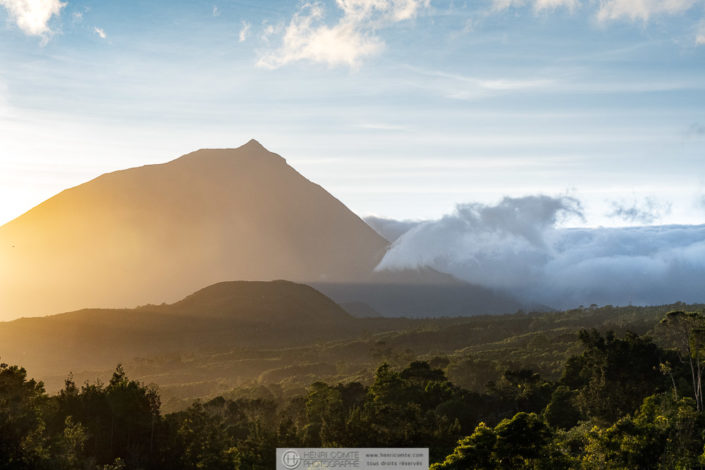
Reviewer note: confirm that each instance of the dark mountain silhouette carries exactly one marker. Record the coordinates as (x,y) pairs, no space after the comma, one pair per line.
(420,293)
(224,316)
(274,303)
(149,234)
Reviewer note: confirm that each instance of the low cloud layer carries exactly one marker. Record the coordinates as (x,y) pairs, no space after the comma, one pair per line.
(309,36)
(32,16)
(516,246)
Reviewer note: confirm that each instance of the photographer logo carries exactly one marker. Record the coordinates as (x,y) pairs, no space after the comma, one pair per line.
(291,459)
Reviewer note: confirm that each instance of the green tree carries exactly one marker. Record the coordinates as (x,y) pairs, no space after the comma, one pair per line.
(325,417)
(475,451)
(23,440)
(521,441)
(73,443)
(687,330)
(516,443)
(197,439)
(664,434)
(561,412)
(612,376)
(120,420)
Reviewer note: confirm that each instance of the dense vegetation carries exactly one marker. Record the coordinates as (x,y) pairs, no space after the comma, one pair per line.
(217,345)
(622,400)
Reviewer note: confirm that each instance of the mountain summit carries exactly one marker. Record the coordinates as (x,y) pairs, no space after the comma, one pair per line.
(148,234)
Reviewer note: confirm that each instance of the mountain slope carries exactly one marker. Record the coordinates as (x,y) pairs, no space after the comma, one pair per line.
(147,234)
(274,303)
(417,293)
(228,315)
(419,300)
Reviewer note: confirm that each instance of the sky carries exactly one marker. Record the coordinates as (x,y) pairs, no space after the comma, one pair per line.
(402,109)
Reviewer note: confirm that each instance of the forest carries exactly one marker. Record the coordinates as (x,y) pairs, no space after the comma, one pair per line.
(622,400)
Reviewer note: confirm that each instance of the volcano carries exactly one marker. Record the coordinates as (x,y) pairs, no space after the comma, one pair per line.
(149,234)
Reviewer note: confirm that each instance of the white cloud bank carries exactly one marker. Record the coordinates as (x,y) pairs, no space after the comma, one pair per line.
(352,38)
(516,246)
(32,16)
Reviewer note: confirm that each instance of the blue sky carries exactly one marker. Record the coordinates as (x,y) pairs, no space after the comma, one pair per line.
(400,108)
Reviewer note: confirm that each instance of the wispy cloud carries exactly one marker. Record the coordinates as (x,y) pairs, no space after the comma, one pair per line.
(700,36)
(606,11)
(475,88)
(391,229)
(216,11)
(700,202)
(352,38)
(642,9)
(32,16)
(381,126)
(100,32)
(695,130)
(464,87)
(647,211)
(553,4)
(537,5)
(4,106)
(268,30)
(244,31)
